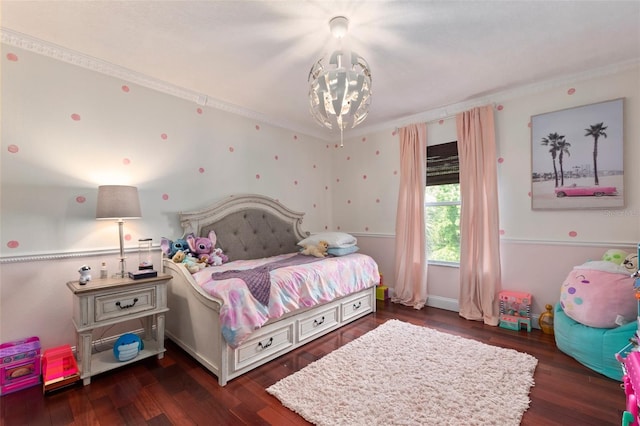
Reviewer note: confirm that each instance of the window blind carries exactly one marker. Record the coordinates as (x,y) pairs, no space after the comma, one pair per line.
(443,166)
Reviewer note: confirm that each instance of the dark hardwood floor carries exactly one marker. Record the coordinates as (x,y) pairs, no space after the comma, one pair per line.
(178,391)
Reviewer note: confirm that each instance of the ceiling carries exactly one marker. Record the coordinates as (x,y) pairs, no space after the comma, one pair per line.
(254,56)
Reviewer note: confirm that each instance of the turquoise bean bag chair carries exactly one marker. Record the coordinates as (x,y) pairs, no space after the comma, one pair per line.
(593,347)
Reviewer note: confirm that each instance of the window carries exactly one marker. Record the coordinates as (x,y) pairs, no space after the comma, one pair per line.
(442,204)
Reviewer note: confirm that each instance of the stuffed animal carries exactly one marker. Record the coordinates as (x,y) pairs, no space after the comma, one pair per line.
(631,263)
(169,248)
(597,293)
(204,249)
(127,347)
(223,257)
(614,255)
(189,262)
(318,250)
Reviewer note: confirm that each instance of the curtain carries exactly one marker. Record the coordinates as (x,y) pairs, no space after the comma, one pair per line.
(411,265)
(480,276)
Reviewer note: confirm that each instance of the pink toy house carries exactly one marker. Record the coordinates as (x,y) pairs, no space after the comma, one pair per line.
(515,310)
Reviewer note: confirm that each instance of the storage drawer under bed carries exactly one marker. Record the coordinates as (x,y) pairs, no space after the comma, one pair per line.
(268,344)
(356,307)
(318,322)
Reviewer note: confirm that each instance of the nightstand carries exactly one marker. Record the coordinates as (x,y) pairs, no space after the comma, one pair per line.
(105,302)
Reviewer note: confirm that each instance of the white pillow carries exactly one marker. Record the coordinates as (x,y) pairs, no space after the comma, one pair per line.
(335,239)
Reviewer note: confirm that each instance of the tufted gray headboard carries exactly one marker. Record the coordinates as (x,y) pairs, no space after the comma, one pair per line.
(248,226)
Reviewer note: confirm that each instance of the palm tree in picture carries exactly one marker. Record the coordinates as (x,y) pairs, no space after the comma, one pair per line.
(595,131)
(552,142)
(563,148)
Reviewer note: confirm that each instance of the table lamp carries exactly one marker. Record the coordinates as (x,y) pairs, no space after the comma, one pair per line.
(118,202)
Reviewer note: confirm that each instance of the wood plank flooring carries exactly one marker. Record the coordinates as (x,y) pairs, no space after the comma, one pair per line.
(178,391)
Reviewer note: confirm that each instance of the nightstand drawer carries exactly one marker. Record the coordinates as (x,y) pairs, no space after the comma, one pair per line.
(121,304)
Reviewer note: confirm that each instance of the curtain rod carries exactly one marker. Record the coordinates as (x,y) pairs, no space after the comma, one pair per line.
(448,117)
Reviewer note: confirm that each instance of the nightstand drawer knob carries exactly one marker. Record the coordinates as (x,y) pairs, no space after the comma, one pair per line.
(127,306)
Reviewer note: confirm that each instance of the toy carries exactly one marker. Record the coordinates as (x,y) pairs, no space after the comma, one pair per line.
(19,364)
(59,368)
(515,310)
(202,247)
(188,261)
(598,294)
(170,248)
(223,257)
(127,347)
(614,255)
(318,250)
(545,320)
(85,274)
(631,263)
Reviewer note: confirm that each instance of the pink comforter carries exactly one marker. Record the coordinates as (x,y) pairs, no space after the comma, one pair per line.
(292,288)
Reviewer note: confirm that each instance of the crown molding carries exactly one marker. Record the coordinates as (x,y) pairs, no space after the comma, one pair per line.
(32,44)
(54,51)
(449,111)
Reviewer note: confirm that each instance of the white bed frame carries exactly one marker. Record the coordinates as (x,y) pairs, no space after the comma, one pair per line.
(193,319)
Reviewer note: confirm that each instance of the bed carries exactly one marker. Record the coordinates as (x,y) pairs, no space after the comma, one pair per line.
(255,231)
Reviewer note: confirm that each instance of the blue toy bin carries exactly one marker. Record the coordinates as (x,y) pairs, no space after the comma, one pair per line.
(594,348)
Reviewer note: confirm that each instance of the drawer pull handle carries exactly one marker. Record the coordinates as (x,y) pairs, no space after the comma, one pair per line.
(357,306)
(266,345)
(127,306)
(317,323)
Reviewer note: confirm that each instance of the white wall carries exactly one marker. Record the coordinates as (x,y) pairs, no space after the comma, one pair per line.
(51,166)
(538,248)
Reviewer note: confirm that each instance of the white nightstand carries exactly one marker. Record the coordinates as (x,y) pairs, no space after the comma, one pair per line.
(104,302)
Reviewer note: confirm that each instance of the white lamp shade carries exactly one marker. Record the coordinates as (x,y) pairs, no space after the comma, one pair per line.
(118,202)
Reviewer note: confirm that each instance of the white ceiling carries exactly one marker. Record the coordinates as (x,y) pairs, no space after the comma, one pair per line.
(255,55)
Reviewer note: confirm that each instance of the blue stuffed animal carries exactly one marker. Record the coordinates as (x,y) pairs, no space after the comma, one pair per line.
(127,347)
(170,248)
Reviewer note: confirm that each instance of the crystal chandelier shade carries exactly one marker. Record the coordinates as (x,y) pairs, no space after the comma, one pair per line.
(340,86)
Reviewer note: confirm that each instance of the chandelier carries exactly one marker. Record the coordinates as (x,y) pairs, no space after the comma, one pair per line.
(340,85)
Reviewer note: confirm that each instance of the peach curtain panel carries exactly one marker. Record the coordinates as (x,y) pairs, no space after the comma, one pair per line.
(411,259)
(480,276)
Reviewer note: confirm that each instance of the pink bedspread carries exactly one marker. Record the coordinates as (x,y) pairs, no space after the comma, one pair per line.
(292,288)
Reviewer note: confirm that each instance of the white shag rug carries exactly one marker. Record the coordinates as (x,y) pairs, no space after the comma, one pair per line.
(404,374)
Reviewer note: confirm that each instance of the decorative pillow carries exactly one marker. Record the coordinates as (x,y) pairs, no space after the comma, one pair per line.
(342,251)
(595,293)
(335,240)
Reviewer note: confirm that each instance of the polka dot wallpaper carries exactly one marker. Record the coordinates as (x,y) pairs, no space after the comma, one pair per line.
(69,130)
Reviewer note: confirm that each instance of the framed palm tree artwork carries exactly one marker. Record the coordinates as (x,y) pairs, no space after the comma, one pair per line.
(577,158)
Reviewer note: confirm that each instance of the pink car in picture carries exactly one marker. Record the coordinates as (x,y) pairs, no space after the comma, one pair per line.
(581,191)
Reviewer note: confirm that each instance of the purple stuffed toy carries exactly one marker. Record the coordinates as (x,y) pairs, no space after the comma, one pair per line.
(202,247)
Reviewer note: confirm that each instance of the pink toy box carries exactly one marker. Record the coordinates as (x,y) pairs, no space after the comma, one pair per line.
(515,310)
(20,366)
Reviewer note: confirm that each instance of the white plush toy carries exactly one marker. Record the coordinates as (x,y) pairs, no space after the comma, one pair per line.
(631,263)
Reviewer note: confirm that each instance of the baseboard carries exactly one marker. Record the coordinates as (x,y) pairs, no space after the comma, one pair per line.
(445,303)
(449,304)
